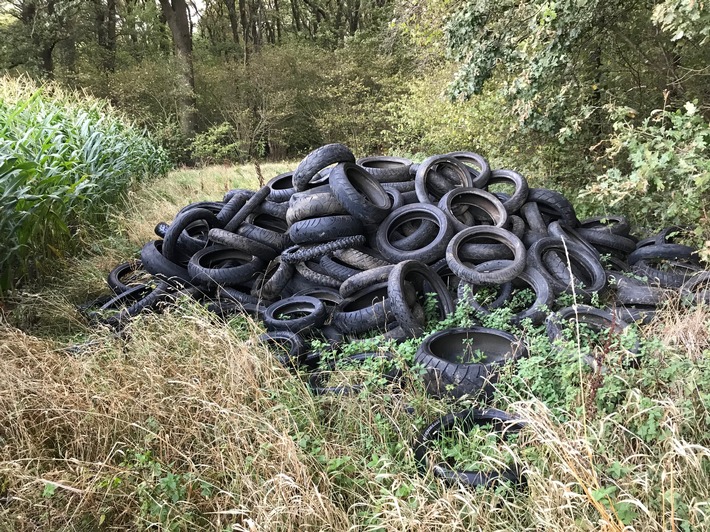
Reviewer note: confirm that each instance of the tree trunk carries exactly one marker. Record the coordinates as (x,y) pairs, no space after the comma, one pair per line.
(233,20)
(245,27)
(111,36)
(175,12)
(48,60)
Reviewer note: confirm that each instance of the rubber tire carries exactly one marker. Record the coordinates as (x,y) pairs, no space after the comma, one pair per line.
(314,307)
(319,159)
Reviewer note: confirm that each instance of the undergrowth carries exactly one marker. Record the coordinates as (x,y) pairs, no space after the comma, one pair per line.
(185,422)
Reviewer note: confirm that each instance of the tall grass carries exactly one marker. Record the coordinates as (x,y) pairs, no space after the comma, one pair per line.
(65,158)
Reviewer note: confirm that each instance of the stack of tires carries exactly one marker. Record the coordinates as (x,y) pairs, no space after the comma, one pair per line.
(342,248)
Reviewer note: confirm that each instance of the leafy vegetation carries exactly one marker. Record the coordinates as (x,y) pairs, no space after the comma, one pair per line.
(62,165)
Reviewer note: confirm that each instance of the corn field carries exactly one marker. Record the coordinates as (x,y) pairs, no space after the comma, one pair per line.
(65,159)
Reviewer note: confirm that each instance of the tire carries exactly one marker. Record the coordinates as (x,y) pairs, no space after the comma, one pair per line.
(314,308)
(447,357)
(663,251)
(237,200)
(553,206)
(273,239)
(162,292)
(281,188)
(170,248)
(364,311)
(160,229)
(117,277)
(249,207)
(242,243)
(317,160)
(502,422)
(468,274)
(329,296)
(674,274)
(401,186)
(291,346)
(697,288)
(594,318)
(614,223)
(440,163)
(336,269)
(544,297)
(489,209)
(581,263)
(213,266)
(155,263)
(569,234)
(477,166)
(533,219)
(428,253)
(365,279)
(325,229)
(317,278)
(607,242)
(520,196)
(360,193)
(298,253)
(424,281)
(317,205)
(273,209)
(386,169)
(630,293)
(275,279)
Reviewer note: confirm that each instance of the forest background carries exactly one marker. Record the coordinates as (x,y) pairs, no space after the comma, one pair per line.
(606,97)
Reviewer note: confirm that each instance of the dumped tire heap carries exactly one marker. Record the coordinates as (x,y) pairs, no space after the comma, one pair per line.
(340,249)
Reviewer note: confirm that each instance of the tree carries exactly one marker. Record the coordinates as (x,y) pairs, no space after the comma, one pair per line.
(177,17)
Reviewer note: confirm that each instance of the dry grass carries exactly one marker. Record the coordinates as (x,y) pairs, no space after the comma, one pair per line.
(187,423)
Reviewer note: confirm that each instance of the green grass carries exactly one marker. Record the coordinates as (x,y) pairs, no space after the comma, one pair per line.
(187,423)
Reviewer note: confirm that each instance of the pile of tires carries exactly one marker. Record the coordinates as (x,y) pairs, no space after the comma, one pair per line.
(342,248)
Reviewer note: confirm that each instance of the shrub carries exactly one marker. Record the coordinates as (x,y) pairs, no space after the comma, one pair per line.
(64,159)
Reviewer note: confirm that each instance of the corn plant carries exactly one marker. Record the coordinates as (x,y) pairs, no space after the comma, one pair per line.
(65,159)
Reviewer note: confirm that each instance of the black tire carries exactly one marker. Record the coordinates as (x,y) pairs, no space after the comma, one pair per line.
(520,195)
(447,356)
(273,239)
(571,235)
(402,187)
(633,293)
(315,277)
(155,263)
(281,188)
(613,223)
(329,296)
(484,208)
(298,253)
(162,292)
(305,206)
(288,347)
(160,229)
(596,319)
(249,207)
(467,419)
(276,316)
(553,206)
(477,165)
(584,267)
(337,269)
(325,229)
(429,253)
(215,266)
(365,279)
(460,177)
(237,200)
(666,274)
(608,242)
(118,279)
(697,288)
(360,193)
(364,311)
(273,209)
(544,297)
(317,160)
(361,258)
(663,251)
(424,281)
(242,243)
(386,169)
(170,248)
(530,212)
(276,277)
(470,235)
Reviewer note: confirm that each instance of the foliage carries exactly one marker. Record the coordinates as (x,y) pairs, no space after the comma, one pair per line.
(658,170)
(64,160)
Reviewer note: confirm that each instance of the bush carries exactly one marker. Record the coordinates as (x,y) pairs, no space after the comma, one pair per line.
(62,164)
(659,170)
